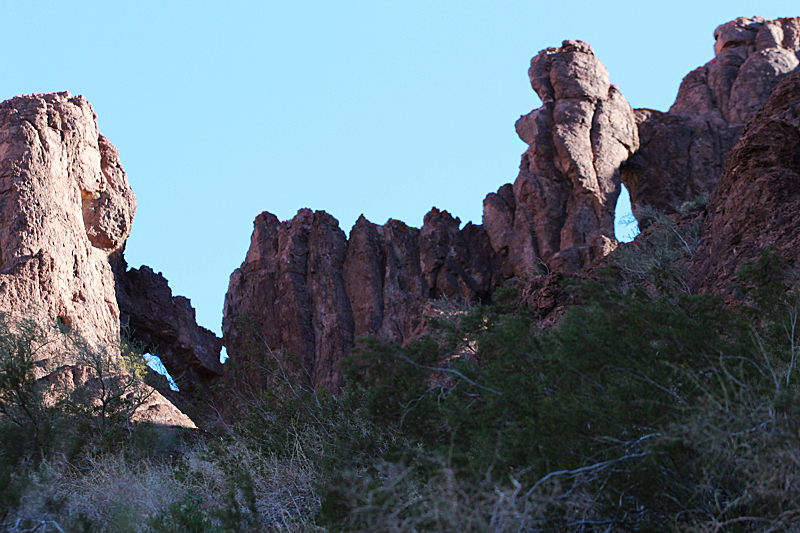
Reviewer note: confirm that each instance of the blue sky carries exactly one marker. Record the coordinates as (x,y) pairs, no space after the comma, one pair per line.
(223,110)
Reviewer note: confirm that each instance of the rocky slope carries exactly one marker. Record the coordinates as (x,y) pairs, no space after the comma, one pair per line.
(756,203)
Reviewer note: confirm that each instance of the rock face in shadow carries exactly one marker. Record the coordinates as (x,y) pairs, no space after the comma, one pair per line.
(683,151)
(305,292)
(165,326)
(756,203)
(560,210)
(66,209)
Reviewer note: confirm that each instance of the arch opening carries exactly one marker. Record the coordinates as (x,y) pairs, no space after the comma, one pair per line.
(155,363)
(626,227)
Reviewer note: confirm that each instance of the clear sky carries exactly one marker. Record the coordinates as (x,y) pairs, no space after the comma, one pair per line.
(222,110)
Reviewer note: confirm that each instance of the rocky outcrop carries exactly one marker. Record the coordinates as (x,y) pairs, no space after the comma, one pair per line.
(560,211)
(683,151)
(289,296)
(756,203)
(165,326)
(307,291)
(66,209)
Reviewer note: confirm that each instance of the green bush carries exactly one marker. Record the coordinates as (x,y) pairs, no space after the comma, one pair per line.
(22,395)
(660,254)
(630,414)
(646,408)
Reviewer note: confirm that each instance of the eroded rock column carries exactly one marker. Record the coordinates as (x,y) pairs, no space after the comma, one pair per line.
(304,293)
(561,212)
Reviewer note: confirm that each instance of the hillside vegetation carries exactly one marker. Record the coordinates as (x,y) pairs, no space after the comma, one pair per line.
(646,408)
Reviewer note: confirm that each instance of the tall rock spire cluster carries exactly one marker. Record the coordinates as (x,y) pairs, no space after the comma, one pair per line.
(311,292)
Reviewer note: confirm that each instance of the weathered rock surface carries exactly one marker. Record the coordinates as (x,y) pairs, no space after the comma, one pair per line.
(66,209)
(560,210)
(757,200)
(305,290)
(683,151)
(65,206)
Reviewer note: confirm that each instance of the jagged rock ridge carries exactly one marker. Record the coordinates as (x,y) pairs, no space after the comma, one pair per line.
(305,290)
(310,292)
(166,326)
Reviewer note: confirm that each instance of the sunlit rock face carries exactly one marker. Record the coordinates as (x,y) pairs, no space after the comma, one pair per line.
(560,210)
(683,151)
(65,207)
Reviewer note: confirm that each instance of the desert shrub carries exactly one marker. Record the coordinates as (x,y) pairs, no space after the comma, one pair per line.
(22,395)
(642,410)
(698,203)
(206,484)
(71,453)
(51,413)
(113,390)
(93,391)
(660,253)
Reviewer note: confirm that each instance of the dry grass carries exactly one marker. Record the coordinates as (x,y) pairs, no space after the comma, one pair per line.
(107,490)
(119,494)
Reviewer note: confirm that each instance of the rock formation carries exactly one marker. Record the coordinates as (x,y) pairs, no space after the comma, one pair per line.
(757,200)
(305,290)
(683,151)
(308,291)
(560,210)
(66,209)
